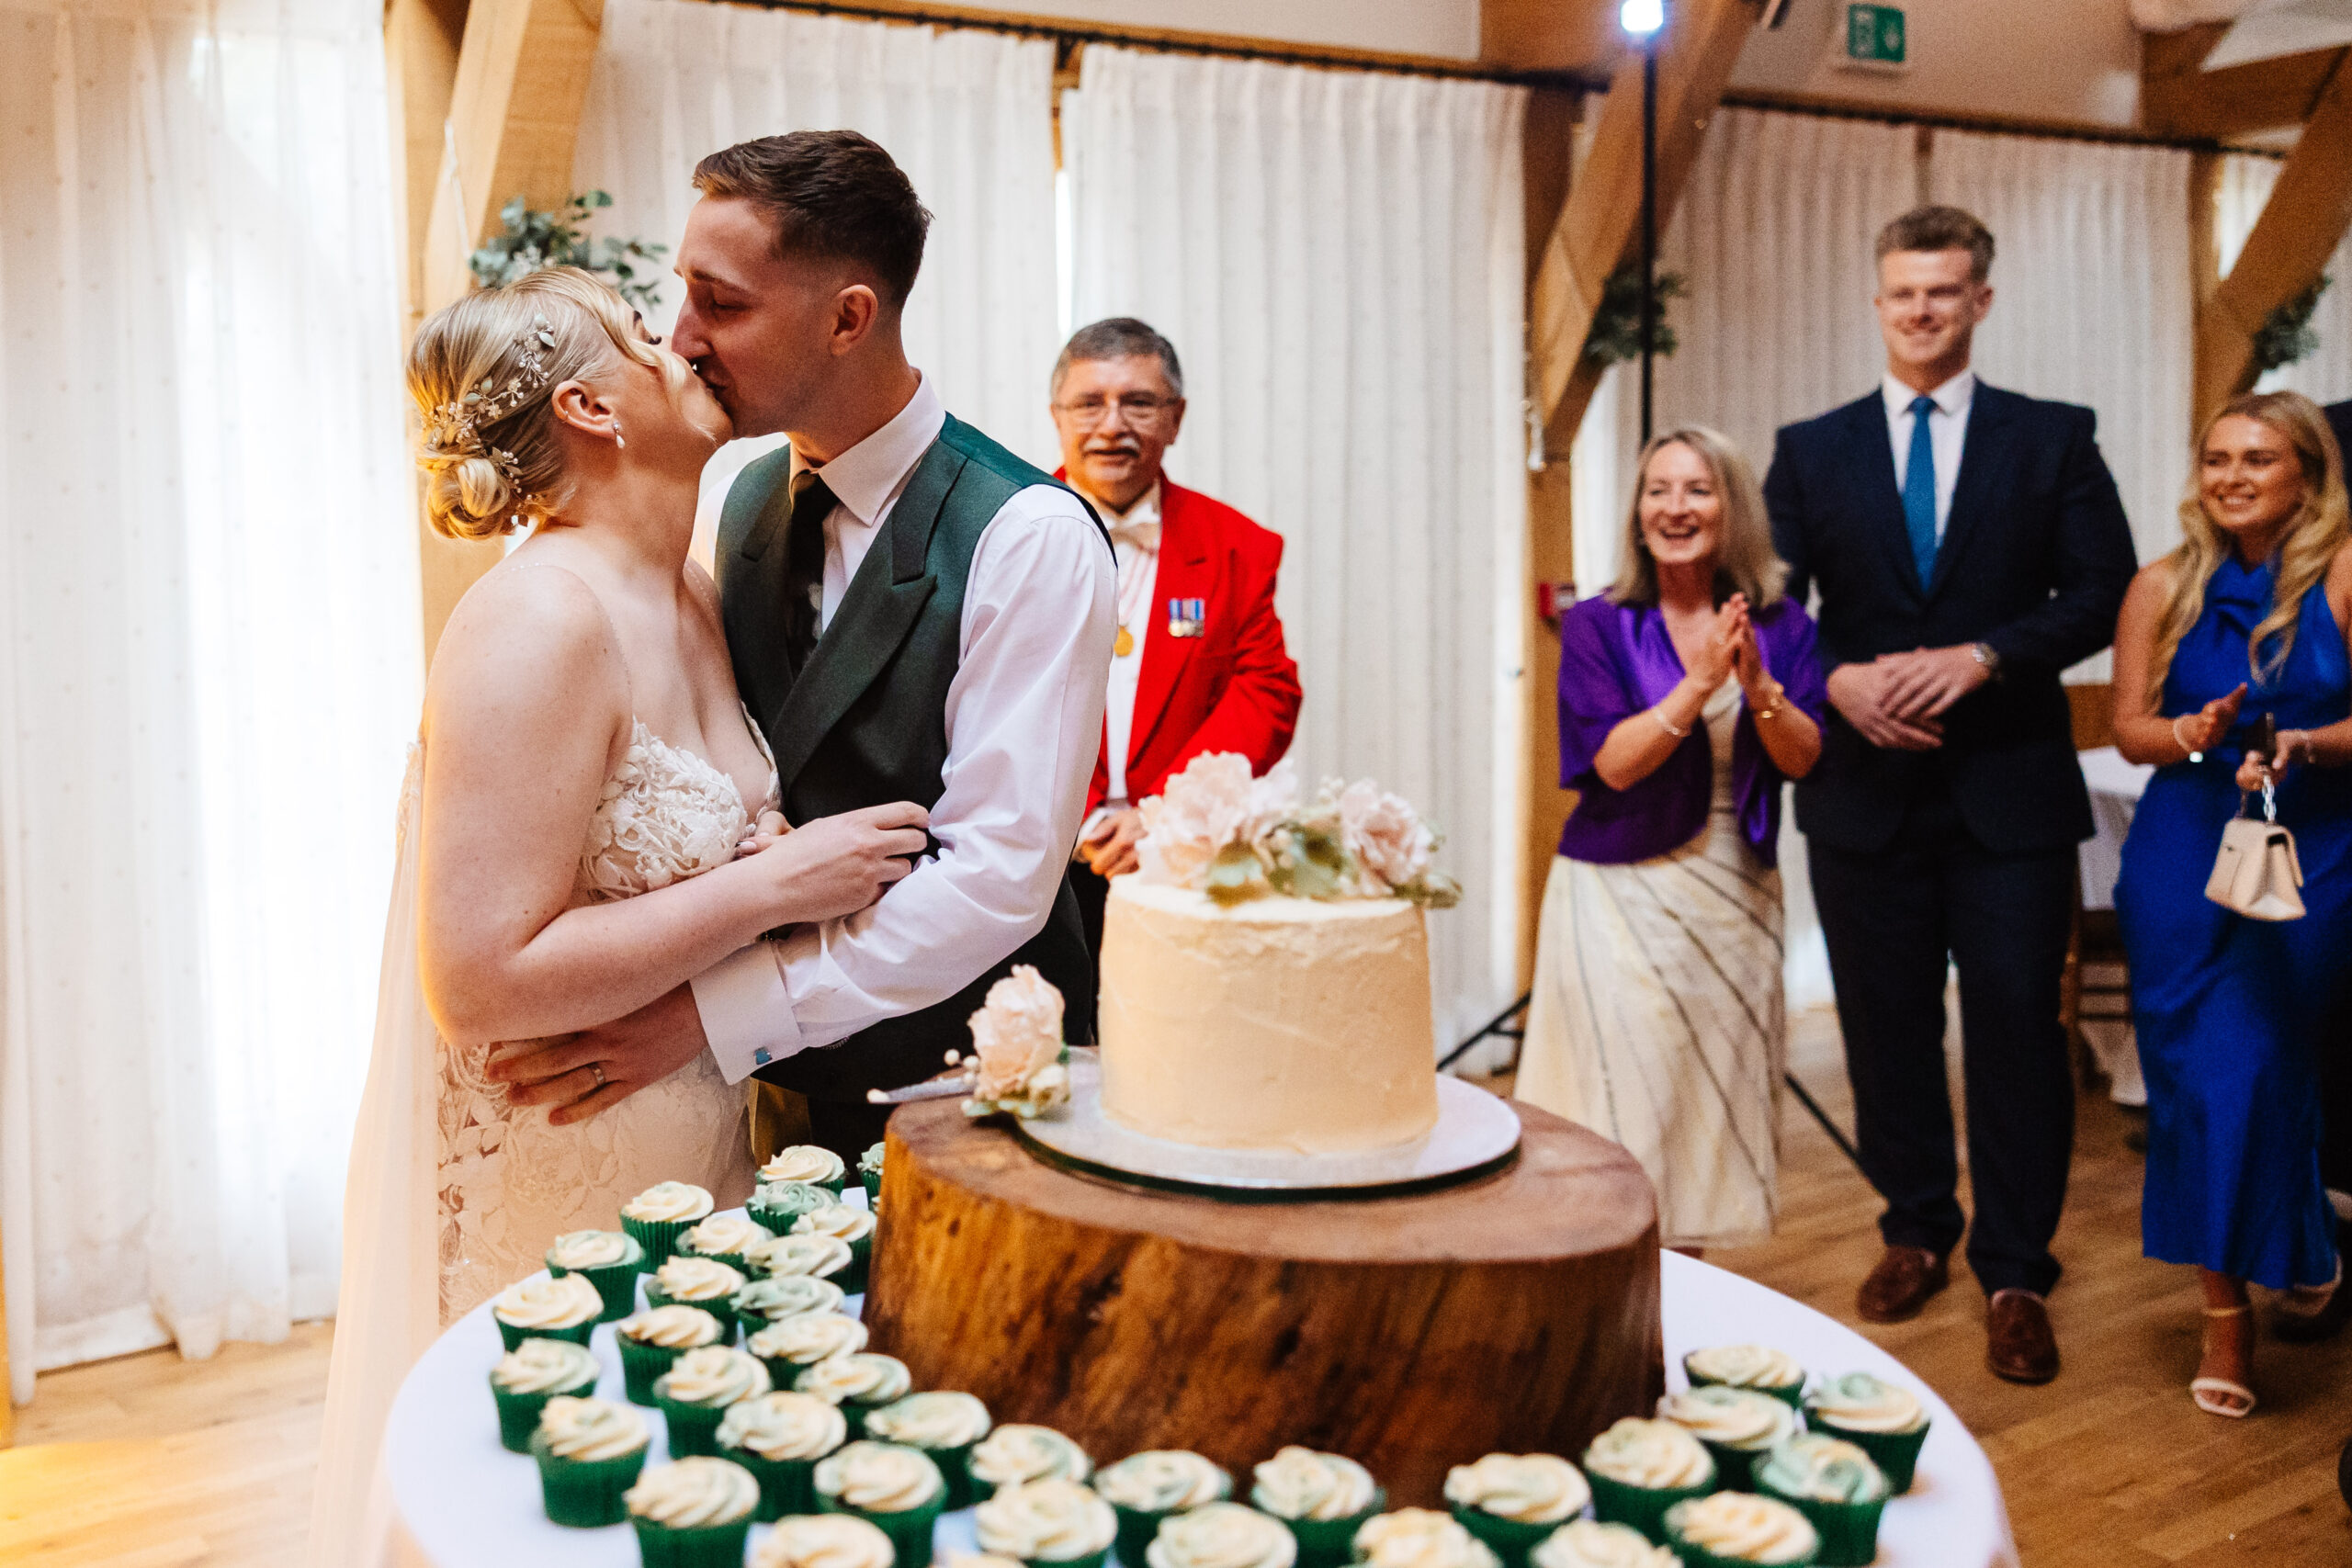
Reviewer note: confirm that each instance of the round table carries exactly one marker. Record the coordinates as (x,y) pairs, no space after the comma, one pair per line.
(468,1502)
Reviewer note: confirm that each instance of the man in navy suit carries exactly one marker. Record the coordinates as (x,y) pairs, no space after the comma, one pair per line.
(1969,545)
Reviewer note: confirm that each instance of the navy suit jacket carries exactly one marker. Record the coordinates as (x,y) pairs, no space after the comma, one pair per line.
(2339,420)
(2035,558)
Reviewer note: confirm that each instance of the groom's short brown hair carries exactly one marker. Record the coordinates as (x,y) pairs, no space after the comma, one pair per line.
(831,193)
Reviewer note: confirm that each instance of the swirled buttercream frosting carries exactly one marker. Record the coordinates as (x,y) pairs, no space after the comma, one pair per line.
(880,1478)
(1221,1535)
(1859,1401)
(937,1420)
(589,1250)
(544,1366)
(792,1196)
(693,1493)
(714,1376)
(1046,1521)
(544,1302)
(809,1337)
(786,1295)
(835,1218)
(590,1429)
(870,1162)
(1822,1468)
(1534,1489)
(1656,1455)
(1163,1480)
(823,1541)
(668,1201)
(1299,1483)
(1016,1452)
(697,1280)
(804,1162)
(820,1257)
(671,1327)
(1420,1538)
(861,1378)
(1732,1418)
(1587,1544)
(1743,1528)
(1744,1366)
(782,1426)
(723,1234)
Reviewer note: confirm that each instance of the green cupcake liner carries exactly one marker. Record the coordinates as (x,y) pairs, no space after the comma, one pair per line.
(617,1282)
(779,1219)
(955,1469)
(909,1532)
(718,1307)
(872,1185)
(641,1365)
(1643,1507)
(854,1412)
(1326,1543)
(852,1279)
(1091,1559)
(788,1486)
(519,1414)
(1793,1395)
(1695,1556)
(1896,1453)
(694,1428)
(1735,1468)
(1512,1539)
(585,1493)
(716,1546)
(1849,1532)
(659,1238)
(1136,1528)
(513,1338)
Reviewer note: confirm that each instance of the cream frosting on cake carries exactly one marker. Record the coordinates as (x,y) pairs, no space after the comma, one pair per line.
(1273,1023)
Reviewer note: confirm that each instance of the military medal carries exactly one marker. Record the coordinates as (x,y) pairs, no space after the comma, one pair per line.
(1124,644)
(1186,616)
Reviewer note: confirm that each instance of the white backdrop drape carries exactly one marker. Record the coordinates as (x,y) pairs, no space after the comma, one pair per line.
(208,657)
(1337,258)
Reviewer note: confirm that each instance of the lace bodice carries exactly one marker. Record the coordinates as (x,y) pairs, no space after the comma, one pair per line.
(666,814)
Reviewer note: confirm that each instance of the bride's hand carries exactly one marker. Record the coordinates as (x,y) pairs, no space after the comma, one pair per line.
(837,865)
(761,833)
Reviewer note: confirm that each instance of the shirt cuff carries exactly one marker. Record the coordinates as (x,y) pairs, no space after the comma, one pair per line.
(746,1013)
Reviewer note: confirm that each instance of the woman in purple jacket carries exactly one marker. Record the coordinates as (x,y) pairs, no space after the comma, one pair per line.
(1688,693)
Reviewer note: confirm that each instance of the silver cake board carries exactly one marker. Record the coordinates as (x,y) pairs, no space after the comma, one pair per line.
(1476,1133)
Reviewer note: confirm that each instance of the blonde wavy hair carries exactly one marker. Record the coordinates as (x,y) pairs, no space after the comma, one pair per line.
(1745,560)
(2320,528)
(506,472)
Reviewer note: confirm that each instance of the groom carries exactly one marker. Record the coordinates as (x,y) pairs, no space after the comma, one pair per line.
(914,613)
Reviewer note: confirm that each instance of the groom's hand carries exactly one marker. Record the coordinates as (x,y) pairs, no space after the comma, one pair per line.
(626,1054)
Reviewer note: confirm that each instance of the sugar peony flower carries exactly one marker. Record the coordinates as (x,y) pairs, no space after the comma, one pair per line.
(1213,803)
(1386,837)
(1017,1034)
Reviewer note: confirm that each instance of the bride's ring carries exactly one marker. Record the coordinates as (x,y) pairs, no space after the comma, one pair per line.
(598,1069)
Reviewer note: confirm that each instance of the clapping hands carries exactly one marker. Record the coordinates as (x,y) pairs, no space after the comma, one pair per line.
(1728,649)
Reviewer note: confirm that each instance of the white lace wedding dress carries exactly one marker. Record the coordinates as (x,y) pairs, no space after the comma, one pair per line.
(453,1195)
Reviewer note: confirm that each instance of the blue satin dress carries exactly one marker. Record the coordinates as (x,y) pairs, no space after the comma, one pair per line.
(2230,1012)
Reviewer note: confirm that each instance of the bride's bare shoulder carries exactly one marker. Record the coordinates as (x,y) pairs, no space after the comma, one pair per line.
(527,636)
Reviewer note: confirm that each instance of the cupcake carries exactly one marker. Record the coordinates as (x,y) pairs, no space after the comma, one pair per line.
(787,1295)
(1147,1487)
(1219,1535)
(855,1227)
(895,1488)
(943,1425)
(723,1238)
(657,1215)
(1588,1543)
(790,1345)
(869,1174)
(1765,1370)
(1050,1521)
(823,1541)
(702,1282)
(589,1451)
(859,1382)
(776,1204)
(653,1339)
(1419,1538)
(824,1258)
(1322,1497)
(1639,1469)
(806,1162)
(1837,1486)
(1018,1452)
(697,1389)
(1513,1501)
(1726,1529)
(1884,1420)
(610,1260)
(529,1376)
(779,1437)
(543,1307)
(1738,1425)
(694,1513)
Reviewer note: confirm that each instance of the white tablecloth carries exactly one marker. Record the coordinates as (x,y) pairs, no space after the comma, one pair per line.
(2116,786)
(471,1504)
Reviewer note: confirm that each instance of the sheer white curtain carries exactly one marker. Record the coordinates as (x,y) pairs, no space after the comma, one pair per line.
(1337,258)
(2325,375)
(968,114)
(210,658)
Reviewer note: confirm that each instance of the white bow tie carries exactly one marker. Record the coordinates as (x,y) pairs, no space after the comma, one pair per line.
(1144,536)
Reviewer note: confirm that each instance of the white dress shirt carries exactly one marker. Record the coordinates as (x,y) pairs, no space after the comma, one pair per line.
(1025,718)
(1947,434)
(1134,535)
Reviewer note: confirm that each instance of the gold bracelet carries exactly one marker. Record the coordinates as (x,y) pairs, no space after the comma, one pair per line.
(1667,725)
(1772,709)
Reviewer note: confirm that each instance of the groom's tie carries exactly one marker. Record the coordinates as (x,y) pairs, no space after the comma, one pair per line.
(1918,490)
(803,567)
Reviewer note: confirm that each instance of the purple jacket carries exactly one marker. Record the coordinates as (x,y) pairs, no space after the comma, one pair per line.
(1615,661)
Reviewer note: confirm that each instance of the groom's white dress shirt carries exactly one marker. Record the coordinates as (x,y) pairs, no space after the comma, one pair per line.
(1024,718)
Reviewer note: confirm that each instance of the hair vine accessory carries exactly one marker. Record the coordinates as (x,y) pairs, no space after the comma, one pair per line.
(455,428)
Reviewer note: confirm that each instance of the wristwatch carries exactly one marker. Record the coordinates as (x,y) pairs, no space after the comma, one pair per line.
(1985,654)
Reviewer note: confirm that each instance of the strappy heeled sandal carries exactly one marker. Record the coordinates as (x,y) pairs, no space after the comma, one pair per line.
(2216,1396)
(2307,1312)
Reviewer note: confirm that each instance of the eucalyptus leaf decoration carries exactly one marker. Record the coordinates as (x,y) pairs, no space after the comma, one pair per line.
(1616,332)
(2286,335)
(533,240)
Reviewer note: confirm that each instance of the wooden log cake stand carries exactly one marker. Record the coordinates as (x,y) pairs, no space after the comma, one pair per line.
(1515,1313)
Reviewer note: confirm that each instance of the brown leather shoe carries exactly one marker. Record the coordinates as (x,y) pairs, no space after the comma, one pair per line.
(1906,1276)
(2018,1345)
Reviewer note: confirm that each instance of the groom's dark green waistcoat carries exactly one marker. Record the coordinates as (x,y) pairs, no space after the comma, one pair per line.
(866,722)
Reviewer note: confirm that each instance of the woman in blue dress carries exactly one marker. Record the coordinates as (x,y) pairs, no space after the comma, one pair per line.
(2245,620)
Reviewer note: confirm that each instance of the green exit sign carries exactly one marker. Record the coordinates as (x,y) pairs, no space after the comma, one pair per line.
(1874,38)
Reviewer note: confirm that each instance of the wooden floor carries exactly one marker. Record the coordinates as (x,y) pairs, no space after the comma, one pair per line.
(151,1463)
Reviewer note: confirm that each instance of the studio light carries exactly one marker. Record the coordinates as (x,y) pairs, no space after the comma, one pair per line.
(1641,18)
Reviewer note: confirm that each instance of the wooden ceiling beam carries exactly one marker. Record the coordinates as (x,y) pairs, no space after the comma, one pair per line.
(2178,98)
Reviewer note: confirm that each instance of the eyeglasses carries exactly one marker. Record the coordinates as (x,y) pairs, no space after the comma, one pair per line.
(1137,409)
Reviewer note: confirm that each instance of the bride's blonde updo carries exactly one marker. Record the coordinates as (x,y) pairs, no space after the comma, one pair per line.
(484,373)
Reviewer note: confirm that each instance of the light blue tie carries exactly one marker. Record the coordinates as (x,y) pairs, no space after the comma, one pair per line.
(1919,490)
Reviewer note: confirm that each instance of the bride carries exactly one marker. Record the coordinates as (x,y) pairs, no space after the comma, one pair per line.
(589,821)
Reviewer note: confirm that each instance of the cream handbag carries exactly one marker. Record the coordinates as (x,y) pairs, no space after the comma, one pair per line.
(2256,873)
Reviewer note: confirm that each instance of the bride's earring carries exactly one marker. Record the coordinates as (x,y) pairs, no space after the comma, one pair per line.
(618,439)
